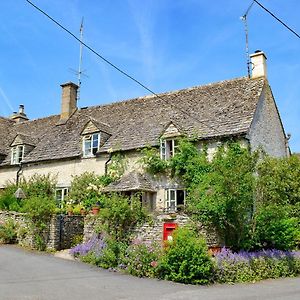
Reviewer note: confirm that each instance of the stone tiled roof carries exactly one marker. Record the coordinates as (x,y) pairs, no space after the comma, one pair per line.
(132,181)
(26,139)
(5,136)
(218,109)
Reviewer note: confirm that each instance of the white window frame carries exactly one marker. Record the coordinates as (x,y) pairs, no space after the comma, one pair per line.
(168,148)
(17,154)
(89,152)
(171,199)
(64,193)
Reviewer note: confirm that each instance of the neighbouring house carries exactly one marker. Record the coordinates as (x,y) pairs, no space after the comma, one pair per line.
(83,139)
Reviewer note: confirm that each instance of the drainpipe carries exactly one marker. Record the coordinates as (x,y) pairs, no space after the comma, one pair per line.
(18,173)
(287,147)
(106,163)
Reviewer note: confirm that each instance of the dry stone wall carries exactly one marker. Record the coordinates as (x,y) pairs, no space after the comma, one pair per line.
(59,234)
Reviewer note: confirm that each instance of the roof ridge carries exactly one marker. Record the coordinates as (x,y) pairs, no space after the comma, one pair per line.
(150,96)
(37,119)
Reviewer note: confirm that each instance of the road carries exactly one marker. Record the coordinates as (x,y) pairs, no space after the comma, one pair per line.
(39,276)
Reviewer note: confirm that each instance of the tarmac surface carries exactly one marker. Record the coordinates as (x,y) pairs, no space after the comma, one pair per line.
(38,276)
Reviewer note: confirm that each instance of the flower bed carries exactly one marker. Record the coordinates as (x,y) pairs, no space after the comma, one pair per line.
(253,266)
(187,260)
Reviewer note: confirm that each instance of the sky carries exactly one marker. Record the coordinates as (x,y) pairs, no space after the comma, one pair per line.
(165,44)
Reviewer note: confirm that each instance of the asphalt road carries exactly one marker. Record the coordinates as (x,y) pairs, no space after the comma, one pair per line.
(37,276)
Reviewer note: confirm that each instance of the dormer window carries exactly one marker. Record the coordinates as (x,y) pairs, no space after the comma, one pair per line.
(91,144)
(17,154)
(168,148)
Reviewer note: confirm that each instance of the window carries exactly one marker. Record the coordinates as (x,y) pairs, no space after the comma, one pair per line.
(61,195)
(91,144)
(17,154)
(168,148)
(174,200)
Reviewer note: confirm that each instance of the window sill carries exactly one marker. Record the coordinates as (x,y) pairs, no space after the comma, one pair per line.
(88,156)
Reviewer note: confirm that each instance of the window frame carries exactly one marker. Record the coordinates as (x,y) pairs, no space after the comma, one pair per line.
(17,154)
(91,150)
(168,148)
(64,194)
(171,201)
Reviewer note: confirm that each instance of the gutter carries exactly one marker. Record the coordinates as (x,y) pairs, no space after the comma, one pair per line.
(18,173)
(106,163)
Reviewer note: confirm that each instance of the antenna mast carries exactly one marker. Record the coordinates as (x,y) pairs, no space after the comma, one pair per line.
(244,19)
(80,60)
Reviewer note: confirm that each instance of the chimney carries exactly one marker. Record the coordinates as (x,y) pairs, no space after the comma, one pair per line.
(259,65)
(68,100)
(19,116)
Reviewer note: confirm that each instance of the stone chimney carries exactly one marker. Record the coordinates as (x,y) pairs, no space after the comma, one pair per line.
(19,116)
(68,100)
(259,64)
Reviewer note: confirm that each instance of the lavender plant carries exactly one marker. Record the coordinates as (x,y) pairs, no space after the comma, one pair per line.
(252,266)
(95,245)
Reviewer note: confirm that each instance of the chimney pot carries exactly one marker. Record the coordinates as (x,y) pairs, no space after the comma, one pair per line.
(21,109)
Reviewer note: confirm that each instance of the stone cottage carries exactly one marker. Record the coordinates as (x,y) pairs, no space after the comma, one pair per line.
(83,139)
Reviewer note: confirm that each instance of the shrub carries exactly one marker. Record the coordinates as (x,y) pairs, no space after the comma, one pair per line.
(142,259)
(8,232)
(95,245)
(186,259)
(39,211)
(278,180)
(8,201)
(276,228)
(36,186)
(220,191)
(119,215)
(39,186)
(113,254)
(100,251)
(86,189)
(253,266)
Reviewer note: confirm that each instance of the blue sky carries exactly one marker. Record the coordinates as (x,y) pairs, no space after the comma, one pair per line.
(166,44)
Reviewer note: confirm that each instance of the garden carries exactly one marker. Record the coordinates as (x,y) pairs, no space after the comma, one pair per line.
(251,200)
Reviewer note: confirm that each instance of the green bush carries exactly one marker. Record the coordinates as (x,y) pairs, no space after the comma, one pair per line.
(39,211)
(86,189)
(36,186)
(119,215)
(222,192)
(112,254)
(102,252)
(276,228)
(8,232)
(278,180)
(186,259)
(142,259)
(8,201)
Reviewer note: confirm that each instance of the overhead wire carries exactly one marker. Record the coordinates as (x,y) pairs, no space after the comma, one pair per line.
(280,21)
(123,72)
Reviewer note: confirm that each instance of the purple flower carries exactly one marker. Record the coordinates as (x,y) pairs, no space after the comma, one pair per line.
(95,244)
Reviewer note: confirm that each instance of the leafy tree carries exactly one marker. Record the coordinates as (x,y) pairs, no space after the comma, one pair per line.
(279,180)
(221,191)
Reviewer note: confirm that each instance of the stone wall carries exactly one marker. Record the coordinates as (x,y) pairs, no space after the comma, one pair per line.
(266,130)
(59,234)
(90,224)
(153,231)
